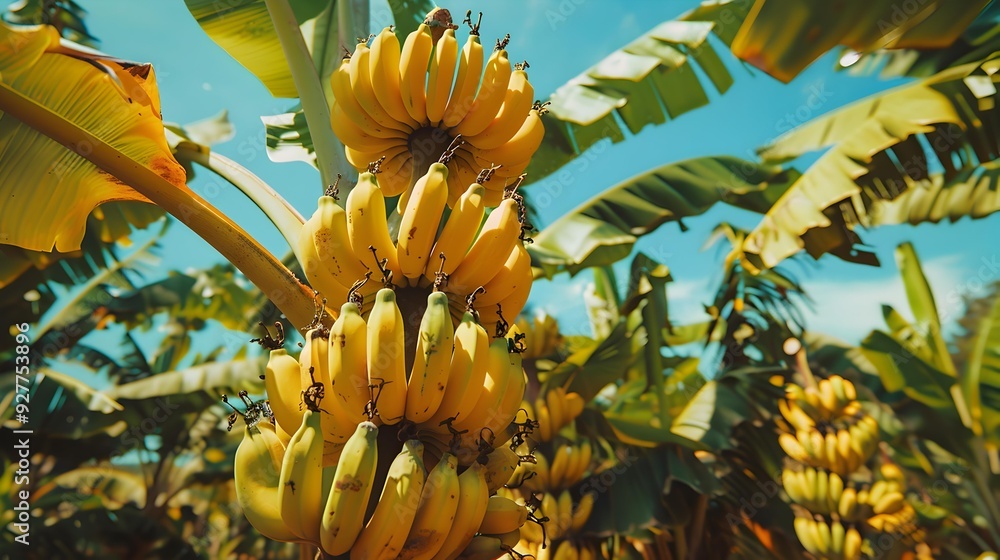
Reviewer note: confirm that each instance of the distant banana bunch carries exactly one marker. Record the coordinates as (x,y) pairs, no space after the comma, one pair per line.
(553,410)
(830,441)
(484,268)
(541,335)
(397,102)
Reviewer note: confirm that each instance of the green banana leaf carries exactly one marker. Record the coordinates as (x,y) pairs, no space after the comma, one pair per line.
(921,299)
(980,382)
(212,378)
(598,362)
(651,79)
(783,37)
(902,371)
(66,16)
(117,101)
(408,14)
(604,229)
(243,29)
(882,147)
(287,137)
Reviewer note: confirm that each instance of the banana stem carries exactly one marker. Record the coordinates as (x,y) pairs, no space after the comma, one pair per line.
(329,152)
(237,246)
(282,214)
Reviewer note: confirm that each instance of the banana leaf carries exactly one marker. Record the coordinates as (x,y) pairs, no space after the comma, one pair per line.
(66,16)
(783,37)
(117,101)
(902,371)
(212,378)
(604,229)
(980,382)
(598,362)
(921,300)
(287,137)
(882,147)
(651,79)
(407,15)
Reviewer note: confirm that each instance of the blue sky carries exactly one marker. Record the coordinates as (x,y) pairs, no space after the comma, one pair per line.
(561,38)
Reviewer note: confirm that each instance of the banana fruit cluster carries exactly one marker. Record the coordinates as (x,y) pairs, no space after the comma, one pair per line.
(340,247)
(828,541)
(554,410)
(541,335)
(398,102)
(570,463)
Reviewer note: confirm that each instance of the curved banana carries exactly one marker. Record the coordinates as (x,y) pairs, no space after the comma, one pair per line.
(483,547)
(354,136)
(347,394)
(473,496)
(332,244)
(500,466)
(583,510)
(441,75)
(367,226)
(554,398)
(513,276)
(516,106)
(396,177)
(852,545)
(413,62)
(301,479)
(467,371)
(490,96)
(436,512)
(384,68)
(459,231)
(502,516)
(560,465)
(351,488)
(470,67)
(499,233)
(383,536)
(361,83)
(566,551)
(281,381)
(340,82)
(545,431)
(386,360)
(518,148)
(432,360)
(315,268)
(419,223)
(256,472)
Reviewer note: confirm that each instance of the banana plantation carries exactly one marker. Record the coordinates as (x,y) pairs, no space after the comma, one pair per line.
(430,292)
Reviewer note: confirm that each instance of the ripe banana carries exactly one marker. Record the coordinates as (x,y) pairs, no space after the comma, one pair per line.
(459,230)
(852,545)
(502,516)
(470,67)
(359,141)
(384,68)
(560,462)
(367,226)
(386,360)
(516,106)
(281,381)
(545,428)
(500,466)
(301,479)
(498,235)
(419,223)
(467,372)
(483,547)
(441,75)
(583,511)
(347,393)
(333,245)
(361,83)
(432,360)
(413,62)
(256,472)
(436,512)
(513,276)
(490,96)
(315,268)
(518,149)
(340,82)
(351,488)
(385,533)
(492,391)
(473,496)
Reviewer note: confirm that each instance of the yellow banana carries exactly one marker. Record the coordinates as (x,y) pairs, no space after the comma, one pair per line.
(499,233)
(837,534)
(573,405)
(385,533)
(483,547)
(441,75)
(518,148)
(847,507)
(823,535)
(852,545)
(473,497)
(432,360)
(396,177)
(348,392)
(827,397)
(545,421)
(281,381)
(340,82)
(367,226)
(470,67)
(550,508)
(413,62)
(256,472)
(386,360)
(835,490)
(566,551)
(301,479)
(500,466)
(332,244)
(585,453)
(878,490)
(361,159)
(384,68)
(315,268)
(492,391)
(459,231)
(516,106)
(502,516)
(565,511)
(559,465)
(513,276)
(354,136)
(889,503)
(554,398)
(490,96)
(511,306)
(419,223)
(436,512)
(795,416)
(467,371)
(351,488)
(583,511)
(361,83)
(543,469)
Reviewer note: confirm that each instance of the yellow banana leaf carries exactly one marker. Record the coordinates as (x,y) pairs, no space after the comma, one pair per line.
(48,190)
(933,136)
(783,37)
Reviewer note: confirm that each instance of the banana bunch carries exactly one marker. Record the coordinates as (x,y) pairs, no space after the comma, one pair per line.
(817,490)
(339,248)
(830,398)
(554,410)
(542,336)
(397,102)
(569,464)
(828,541)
